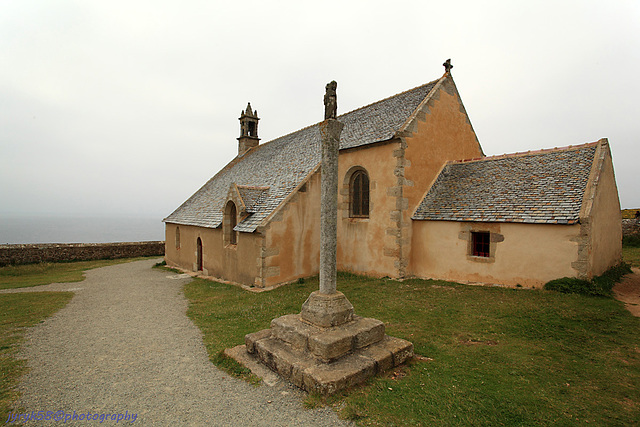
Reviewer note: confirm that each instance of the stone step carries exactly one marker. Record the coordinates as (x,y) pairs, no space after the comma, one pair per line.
(307,372)
(327,344)
(285,361)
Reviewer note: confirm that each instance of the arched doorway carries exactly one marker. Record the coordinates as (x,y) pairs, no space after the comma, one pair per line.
(199,254)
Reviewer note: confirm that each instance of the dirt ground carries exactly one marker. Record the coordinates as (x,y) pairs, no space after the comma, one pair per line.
(628,291)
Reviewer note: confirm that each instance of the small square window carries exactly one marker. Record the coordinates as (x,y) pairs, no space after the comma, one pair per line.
(480,243)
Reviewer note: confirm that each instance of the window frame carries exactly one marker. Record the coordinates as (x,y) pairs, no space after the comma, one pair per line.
(480,244)
(360,197)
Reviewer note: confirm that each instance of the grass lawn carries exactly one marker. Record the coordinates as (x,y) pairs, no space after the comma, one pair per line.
(631,256)
(22,276)
(17,312)
(488,356)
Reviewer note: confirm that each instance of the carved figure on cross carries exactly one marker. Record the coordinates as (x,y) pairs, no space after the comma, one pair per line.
(330,101)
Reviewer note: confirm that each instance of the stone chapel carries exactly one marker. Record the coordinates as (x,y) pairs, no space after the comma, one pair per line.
(417,198)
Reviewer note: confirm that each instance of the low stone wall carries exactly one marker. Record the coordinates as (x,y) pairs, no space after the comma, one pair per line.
(630,226)
(63,252)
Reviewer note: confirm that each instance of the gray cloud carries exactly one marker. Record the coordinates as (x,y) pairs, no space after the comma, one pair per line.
(128,107)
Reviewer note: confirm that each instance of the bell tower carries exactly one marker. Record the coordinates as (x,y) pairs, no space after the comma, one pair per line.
(248,130)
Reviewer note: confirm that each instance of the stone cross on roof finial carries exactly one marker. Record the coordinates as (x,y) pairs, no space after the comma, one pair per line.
(447,65)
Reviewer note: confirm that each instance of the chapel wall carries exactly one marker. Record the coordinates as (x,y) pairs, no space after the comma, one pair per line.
(233,263)
(368,245)
(292,237)
(238,263)
(528,255)
(182,253)
(605,221)
(441,132)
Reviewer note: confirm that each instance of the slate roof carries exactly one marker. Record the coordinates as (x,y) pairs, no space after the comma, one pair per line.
(252,196)
(545,187)
(284,163)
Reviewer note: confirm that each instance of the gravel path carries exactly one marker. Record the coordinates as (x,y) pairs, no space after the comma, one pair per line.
(628,291)
(124,343)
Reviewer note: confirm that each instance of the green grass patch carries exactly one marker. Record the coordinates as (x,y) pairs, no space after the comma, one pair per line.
(631,255)
(486,356)
(17,312)
(22,276)
(226,313)
(632,241)
(600,286)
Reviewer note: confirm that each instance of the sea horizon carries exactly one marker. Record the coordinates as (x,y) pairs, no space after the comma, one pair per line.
(26,229)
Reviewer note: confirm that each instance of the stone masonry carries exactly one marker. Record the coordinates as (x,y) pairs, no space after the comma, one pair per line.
(325,360)
(64,252)
(630,226)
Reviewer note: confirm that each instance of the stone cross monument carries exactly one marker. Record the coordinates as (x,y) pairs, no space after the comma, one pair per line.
(328,307)
(326,347)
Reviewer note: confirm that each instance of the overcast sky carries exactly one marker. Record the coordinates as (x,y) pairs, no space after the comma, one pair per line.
(126,108)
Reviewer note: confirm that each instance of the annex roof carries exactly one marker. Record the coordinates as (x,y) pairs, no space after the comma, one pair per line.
(278,167)
(545,187)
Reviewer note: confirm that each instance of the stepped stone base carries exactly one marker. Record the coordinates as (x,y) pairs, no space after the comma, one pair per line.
(327,359)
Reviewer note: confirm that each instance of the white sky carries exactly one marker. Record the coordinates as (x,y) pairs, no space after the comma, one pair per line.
(125,108)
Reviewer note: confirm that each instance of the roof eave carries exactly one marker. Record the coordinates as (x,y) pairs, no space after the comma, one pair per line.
(594,177)
(409,126)
(502,221)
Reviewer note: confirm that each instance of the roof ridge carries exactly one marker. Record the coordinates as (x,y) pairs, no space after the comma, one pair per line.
(344,114)
(526,153)
(389,97)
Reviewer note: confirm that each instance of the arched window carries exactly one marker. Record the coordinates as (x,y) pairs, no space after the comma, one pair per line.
(359,194)
(177,237)
(199,261)
(233,239)
(230,221)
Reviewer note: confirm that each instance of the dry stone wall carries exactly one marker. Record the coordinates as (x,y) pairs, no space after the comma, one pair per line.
(64,252)
(630,226)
